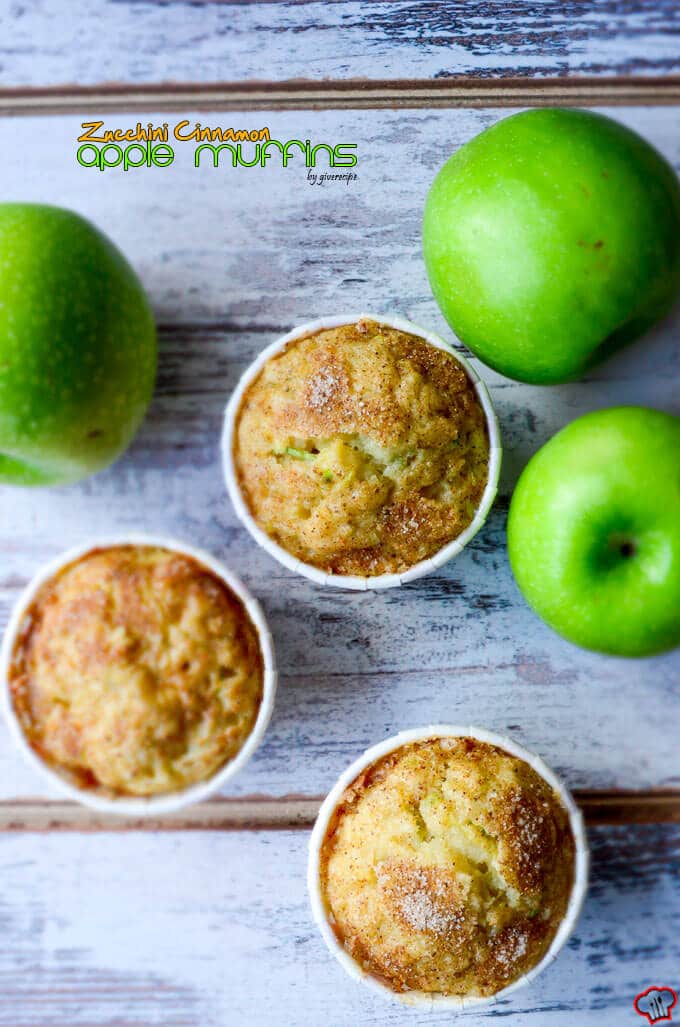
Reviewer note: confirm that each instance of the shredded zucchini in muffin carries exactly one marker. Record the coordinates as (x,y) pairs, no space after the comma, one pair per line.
(362,449)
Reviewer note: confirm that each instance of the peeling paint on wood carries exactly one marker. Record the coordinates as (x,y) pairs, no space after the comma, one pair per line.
(203,927)
(233,259)
(143,930)
(208,41)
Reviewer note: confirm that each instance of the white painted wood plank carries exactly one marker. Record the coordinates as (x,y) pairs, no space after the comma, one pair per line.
(232,258)
(209,931)
(45,43)
(260,246)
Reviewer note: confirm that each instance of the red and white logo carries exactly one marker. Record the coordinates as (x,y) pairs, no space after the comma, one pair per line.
(656,1004)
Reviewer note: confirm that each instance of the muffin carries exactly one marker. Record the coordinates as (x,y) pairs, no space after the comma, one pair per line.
(135,671)
(446,868)
(361,449)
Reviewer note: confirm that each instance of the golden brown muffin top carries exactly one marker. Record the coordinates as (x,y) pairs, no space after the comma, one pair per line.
(362,449)
(447,868)
(137,672)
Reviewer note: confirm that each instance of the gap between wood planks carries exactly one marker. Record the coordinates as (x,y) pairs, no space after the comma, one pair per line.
(299,812)
(299,94)
(258,813)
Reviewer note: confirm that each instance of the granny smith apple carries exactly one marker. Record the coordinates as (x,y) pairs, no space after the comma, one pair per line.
(550,240)
(594,531)
(77,347)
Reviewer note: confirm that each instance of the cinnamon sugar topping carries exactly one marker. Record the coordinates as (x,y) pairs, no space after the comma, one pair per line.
(362,449)
(447,867)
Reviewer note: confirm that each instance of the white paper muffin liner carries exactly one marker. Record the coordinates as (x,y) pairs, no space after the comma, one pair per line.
(425,1000)
(172,801)
(449,551)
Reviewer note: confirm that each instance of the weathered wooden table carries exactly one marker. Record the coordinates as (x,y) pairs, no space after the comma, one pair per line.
(202,919)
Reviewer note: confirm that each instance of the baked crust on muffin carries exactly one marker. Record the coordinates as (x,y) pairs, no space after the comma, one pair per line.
(362,449)
(137,672)
(447,868)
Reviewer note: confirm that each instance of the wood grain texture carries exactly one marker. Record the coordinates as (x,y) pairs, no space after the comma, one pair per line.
(258,813)
(233,258)
(183,930)
(207,925)
(61,43)
(389,94)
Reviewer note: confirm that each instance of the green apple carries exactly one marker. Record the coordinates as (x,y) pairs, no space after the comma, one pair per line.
(77,347)
(594,531)
(551,239)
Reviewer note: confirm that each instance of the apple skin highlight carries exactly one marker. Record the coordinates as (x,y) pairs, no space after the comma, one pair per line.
(594,532)
(77,347)
(551,240)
